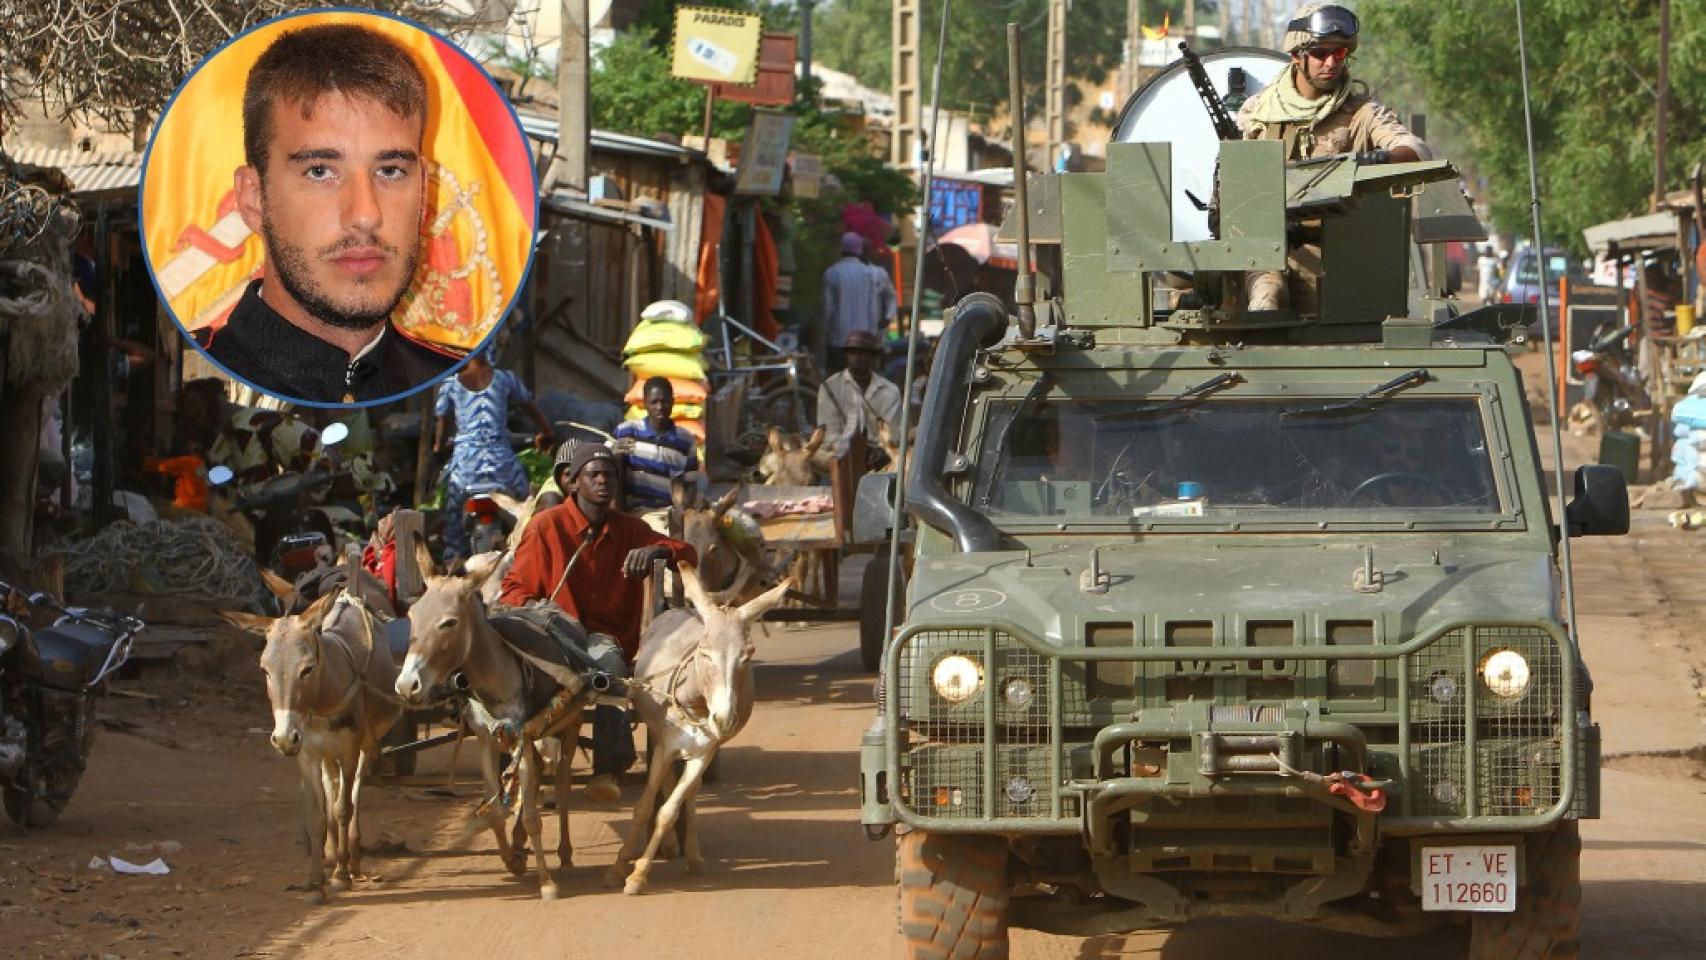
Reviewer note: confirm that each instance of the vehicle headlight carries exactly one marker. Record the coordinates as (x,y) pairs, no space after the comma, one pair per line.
(1442,687)
(956,678)
(9,633)
(1017,692)
(1506,674)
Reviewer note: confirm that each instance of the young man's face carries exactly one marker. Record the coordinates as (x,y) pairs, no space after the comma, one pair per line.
(659,402)
(596,483)
(861,362)
(1321,66)
(339,207)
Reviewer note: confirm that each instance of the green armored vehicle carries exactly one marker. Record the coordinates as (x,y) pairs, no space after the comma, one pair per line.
(1219,613)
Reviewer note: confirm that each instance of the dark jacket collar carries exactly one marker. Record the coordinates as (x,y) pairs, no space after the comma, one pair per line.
(259,346)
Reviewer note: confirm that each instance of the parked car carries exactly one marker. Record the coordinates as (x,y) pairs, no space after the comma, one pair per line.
(1522,280)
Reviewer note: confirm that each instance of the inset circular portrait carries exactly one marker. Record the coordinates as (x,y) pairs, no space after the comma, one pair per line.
(338,207)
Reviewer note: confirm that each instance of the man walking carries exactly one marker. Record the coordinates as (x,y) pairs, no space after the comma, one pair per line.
(852,298)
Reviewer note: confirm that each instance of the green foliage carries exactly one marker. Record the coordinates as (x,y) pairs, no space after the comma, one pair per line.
(1593,68)
(633,92)
(854,36)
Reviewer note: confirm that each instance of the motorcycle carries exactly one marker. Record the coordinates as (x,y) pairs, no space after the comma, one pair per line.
(1612,391)
(48,683)
(294,530)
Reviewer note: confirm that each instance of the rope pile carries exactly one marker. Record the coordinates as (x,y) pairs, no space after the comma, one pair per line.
(190,557)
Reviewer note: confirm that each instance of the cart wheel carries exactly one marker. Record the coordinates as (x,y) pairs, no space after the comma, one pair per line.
(873,609)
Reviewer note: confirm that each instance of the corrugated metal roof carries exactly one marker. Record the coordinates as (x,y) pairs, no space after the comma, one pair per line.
(545,128)
(1651,230)
(90,172)
(571,205)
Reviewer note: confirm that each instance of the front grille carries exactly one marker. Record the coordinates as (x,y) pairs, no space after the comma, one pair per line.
(1515,764)
(949,767)
(992,755)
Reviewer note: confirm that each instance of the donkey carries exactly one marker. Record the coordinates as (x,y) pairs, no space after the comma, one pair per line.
(449,632)
(694,691)
(789,463)
(327,672)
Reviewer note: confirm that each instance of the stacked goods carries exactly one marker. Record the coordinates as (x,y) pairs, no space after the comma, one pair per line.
(668,344)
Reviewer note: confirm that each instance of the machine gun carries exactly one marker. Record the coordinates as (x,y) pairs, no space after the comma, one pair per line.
(1224,126)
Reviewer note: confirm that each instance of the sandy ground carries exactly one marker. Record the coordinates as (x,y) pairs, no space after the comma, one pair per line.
(790,873)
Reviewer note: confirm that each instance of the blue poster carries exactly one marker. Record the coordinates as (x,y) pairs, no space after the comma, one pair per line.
(954,203)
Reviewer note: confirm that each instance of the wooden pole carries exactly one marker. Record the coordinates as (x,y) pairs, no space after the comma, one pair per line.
(907,85)
(1054,104)
(574,111)
(1660,119)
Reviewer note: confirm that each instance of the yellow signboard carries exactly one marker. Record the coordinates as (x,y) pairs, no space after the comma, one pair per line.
(715,45)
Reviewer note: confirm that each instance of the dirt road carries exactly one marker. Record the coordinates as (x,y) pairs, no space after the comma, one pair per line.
(790,873)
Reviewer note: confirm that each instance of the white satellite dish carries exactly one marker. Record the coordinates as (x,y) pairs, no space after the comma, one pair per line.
(1167,109)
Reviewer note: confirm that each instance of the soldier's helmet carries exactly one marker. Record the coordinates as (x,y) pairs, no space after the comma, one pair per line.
(1315,22)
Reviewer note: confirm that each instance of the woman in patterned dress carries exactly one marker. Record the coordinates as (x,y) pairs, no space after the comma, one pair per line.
(478,400)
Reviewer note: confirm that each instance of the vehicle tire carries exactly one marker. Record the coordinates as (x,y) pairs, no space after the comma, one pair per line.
(873,609)
(1546,924)
(401,732)
(953,896)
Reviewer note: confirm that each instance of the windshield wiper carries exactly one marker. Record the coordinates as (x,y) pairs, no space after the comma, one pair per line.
(1363,401)
(1023,409)
(1183,399)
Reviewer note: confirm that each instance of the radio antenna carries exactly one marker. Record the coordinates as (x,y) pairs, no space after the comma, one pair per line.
(1556,395)
(912,335)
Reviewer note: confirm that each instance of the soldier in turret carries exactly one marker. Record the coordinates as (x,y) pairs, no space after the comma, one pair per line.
(1316,110)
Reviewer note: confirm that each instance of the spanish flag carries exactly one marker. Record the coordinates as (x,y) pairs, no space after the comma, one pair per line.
(480,194)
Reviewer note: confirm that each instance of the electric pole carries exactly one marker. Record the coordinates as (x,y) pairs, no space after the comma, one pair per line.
(1663,95)
(1054,112)
(573,110)
(908,119)
(1133,39)
(806,38)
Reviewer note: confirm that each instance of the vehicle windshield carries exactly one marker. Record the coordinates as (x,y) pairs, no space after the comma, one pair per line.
(1260,459)
(1557,265)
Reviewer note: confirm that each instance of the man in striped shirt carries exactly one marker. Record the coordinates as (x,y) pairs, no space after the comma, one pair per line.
(655,450)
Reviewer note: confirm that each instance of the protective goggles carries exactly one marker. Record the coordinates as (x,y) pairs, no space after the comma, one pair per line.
(1325,22)
(1327,54)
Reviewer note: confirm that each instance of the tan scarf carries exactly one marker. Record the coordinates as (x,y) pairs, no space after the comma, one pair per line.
(1280,103)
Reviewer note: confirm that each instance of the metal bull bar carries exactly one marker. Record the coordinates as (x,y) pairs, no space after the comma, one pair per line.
(1240,761)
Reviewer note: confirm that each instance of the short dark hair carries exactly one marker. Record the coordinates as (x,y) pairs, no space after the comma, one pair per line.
(303,65)
(661,383)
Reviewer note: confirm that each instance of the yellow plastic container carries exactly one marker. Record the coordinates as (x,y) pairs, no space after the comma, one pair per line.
(1684,319)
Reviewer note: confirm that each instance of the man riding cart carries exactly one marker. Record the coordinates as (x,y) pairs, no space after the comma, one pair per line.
(590,560)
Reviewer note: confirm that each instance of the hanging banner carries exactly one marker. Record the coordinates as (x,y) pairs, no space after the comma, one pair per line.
(764,153)
(716,46)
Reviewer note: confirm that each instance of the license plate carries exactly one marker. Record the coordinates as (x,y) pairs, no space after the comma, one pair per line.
(1469,878)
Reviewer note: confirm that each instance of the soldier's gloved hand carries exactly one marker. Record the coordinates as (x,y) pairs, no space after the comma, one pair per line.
(1374,156)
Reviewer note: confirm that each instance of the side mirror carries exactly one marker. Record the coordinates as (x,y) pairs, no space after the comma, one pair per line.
(334,434)
(1600,507)
(873,509)
(220,476)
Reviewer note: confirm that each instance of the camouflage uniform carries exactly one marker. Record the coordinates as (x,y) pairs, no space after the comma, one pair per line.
(1358,124)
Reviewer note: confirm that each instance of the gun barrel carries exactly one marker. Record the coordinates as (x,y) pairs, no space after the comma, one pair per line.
(1224,126)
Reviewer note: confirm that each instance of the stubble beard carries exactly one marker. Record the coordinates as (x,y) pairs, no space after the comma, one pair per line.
(290,265)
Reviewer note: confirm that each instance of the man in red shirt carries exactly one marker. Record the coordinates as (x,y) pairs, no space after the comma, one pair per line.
(590,559)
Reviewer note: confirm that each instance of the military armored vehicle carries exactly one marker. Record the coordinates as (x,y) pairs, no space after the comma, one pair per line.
(1222,613)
